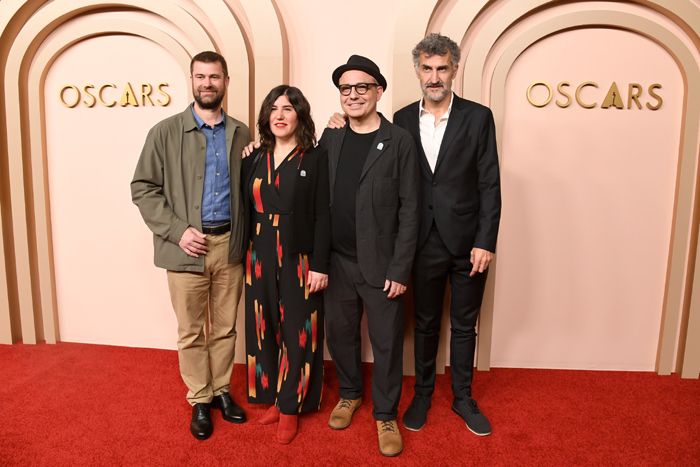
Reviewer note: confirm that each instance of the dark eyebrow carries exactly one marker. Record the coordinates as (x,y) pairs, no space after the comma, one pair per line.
(439,68)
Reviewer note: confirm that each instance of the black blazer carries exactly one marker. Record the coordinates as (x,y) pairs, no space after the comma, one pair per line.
(463,196)
(386,208)
(310,217)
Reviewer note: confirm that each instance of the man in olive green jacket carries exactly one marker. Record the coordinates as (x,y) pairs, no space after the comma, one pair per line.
(187,188)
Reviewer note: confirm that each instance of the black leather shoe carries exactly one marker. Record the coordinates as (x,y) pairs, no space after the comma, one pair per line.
(470,413)
(201,426)
(415,416)
(229,409)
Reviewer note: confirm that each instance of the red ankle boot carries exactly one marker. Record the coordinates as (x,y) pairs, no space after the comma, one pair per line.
(287,428)
(270,416)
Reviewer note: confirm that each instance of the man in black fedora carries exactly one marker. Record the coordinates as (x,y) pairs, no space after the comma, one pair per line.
(373,169)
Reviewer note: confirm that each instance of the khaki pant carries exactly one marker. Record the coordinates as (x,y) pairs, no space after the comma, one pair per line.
(206,306)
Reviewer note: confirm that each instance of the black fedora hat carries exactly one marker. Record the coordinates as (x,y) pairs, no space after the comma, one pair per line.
(358,62)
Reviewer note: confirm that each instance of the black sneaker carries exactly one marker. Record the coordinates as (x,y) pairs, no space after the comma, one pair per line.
(470,413)
(414,417)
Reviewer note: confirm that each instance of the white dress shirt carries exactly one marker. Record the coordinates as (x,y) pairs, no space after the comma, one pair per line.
(431,134)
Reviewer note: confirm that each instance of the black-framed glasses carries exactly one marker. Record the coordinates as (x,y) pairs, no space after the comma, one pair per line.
(360,88)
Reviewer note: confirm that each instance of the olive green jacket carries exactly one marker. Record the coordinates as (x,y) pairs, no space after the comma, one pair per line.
(168,184)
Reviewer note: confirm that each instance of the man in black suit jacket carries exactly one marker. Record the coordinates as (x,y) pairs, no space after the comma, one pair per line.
(460,213)
(373,172)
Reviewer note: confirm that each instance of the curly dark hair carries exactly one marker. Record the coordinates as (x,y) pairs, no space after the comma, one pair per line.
(306,131)
(436,44)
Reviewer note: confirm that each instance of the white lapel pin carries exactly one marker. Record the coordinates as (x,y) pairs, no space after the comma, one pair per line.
(380,146)
(303,173)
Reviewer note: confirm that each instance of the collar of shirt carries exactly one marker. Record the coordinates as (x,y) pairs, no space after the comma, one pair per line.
(445,116)
(431,135)
(220,121)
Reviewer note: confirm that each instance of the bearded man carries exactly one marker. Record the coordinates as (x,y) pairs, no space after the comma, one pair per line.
(460,214)
(187,188)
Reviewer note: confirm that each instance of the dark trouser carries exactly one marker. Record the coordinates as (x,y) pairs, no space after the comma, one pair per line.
(433,265)
(344,297)
(284,325)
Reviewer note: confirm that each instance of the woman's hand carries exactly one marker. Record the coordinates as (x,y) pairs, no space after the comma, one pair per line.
(316,281)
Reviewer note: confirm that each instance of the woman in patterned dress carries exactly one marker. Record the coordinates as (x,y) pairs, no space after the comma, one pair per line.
(286,199)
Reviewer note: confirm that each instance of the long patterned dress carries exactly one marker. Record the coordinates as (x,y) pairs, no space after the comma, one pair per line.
(284,322)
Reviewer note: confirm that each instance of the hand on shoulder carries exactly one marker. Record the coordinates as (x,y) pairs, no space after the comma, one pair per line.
(250,147)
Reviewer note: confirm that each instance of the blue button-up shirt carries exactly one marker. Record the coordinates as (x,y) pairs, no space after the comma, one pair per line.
(216,206)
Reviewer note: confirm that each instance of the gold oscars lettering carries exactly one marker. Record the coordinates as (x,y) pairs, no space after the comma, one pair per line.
(112,95)
(588,95)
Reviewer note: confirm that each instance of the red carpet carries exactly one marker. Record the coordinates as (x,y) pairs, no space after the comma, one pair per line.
(75,404)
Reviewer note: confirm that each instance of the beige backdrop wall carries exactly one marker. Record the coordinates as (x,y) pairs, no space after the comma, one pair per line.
(595,263)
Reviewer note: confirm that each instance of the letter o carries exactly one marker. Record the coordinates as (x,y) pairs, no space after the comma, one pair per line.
(549,94)
(77,96)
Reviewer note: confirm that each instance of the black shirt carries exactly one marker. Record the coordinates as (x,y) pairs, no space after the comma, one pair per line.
(353,155)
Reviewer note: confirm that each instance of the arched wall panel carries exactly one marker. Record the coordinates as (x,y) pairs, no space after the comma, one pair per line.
(580,187)
(55,44)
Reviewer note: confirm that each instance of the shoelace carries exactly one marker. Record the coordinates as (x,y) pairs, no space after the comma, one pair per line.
(387,426)
(345,404)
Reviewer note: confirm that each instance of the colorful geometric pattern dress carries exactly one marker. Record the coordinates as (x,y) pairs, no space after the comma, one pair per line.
(284,322)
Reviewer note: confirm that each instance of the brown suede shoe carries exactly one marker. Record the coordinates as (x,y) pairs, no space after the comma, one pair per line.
(390,442)
(342,413)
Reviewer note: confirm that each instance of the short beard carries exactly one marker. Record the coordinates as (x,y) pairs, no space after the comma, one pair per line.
(433,97)
(211,105)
